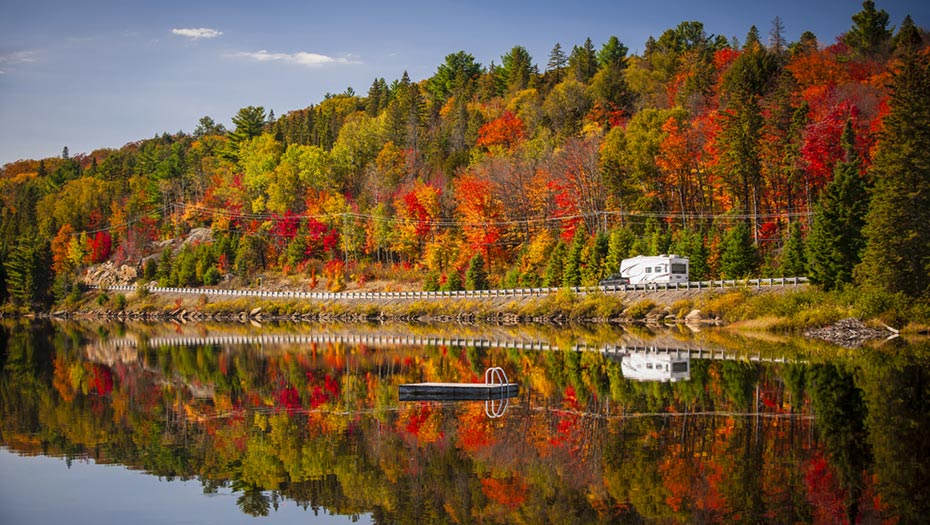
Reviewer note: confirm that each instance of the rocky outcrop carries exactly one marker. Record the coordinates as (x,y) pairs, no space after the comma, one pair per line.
(108,274)
(848,333)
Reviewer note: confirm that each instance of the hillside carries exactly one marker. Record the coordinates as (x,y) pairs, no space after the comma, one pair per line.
(751,158)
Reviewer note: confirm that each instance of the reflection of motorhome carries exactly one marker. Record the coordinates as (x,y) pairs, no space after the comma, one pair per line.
(656,366)
(655,269)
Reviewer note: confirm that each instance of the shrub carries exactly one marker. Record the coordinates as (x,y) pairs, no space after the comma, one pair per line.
(211,276)
(682,308)
(641,309)
(102,299)
(120,302)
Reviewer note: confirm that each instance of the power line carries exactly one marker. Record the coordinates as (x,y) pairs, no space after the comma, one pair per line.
(445,222)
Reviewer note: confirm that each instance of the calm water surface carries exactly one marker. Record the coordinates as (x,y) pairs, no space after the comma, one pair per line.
(302,424)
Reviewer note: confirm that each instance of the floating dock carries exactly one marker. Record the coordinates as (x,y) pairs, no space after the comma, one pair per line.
(458,391)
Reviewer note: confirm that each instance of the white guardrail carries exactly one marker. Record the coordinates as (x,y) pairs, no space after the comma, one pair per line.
(506,292)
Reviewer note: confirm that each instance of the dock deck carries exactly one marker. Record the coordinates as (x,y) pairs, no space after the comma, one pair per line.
(457,391)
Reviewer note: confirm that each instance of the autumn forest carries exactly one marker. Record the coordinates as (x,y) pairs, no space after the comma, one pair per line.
(753,157)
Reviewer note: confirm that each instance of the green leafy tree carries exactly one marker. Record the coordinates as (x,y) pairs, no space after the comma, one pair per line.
(897,230)
(836,240)
(738,258)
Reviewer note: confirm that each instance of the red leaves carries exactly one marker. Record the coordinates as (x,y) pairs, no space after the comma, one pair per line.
(506,131)
(286,226)
(321,239)
(100,246)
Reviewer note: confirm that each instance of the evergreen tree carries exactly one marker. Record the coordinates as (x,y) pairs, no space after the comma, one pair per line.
(453,282)
(516,71)
(553,275)
(794,259)
(699,261)
(250,123)
(573,264)
(836,240)
(609,84)
(595,269)
(556,64)
(583,62)
(897,231)
(869,33)
(206,126)
(909,37)
(476,277)
(690,243)
(619,247)
(739,257)
(28,272)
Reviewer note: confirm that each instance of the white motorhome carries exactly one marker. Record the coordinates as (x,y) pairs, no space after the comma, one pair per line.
(655,269)
(647,365)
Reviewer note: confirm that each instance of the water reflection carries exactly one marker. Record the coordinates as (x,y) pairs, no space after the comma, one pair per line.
(312,418)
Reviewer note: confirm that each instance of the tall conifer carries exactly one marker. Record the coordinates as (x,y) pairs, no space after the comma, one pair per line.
(897,231)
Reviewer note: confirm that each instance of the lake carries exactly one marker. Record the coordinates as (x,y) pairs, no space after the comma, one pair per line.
(301,423)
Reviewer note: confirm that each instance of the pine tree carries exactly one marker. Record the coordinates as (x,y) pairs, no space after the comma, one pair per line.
(897,231)
(571,276)
(476,277)
(699,260)
(836,240)
(794,259)
(557,61)
(28,271)
(595,269)
(583,62)
(869,33)
(739,257)
(553,275)
(621,242)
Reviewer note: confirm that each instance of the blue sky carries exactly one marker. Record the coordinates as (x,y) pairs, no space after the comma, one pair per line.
(95,74)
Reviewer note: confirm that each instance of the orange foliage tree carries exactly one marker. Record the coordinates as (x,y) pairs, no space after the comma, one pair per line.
(480,215)
(504,132)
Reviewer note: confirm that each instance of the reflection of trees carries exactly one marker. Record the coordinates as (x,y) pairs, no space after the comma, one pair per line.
(841,413)
(321,426)
(897,392)
(254,502)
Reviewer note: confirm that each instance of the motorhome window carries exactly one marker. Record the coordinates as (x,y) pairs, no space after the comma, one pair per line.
(648,269)
(680,366)
(679,268)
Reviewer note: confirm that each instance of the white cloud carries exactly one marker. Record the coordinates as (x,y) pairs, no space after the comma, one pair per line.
(197,33)
(302,58)
(15,58)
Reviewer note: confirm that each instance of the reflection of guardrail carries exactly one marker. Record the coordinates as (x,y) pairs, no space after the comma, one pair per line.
(504,292)
(615,351)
